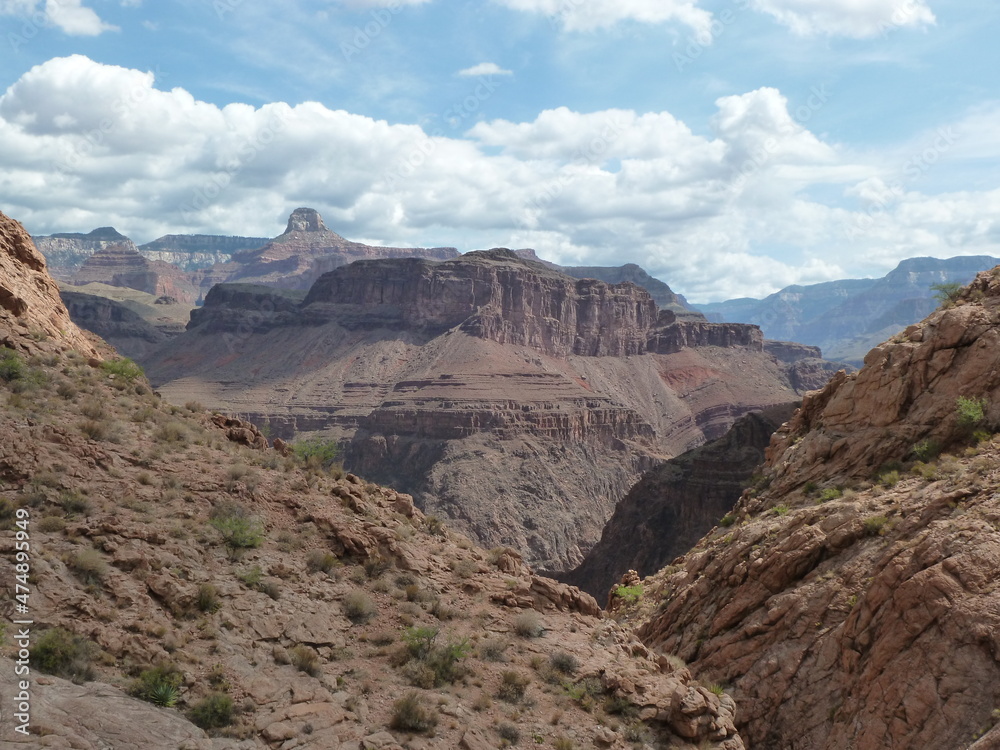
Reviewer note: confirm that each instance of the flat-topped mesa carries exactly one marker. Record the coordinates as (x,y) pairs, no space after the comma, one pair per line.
(499,296)
(305,220)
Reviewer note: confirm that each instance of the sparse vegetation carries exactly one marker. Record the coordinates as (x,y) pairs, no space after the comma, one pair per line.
(64,654)
(238,529)
(213,712)
(564,662)
(528,624)
(409,714)
(208,598)
(89,566)
(727,520)
(316,453)
(629,594)
(429,663)
(926,450)
(159,685)
(513,686)
(12,367)
(321,561)
(830,493)
(509,732)
(875,525)
(123,368)
(947,293)
(305,660)
(358,607)
(970,412)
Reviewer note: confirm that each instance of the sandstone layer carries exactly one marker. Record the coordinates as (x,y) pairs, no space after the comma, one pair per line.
(122,265)
(854,601)
(519,402)
(65,252)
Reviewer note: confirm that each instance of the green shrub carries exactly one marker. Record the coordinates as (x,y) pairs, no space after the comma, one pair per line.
(889,478)
(781,509)
(358,607)
(513,686)
(159,685)
(947,293)
(213,712)
(830,493)
(727,520)
(619,705)
(970,412)
(123,368)
(875,525)
(238,530)
(171,432)
(64,654)
(51,524)
(410,715)
(12,367)
(629,594)
(434,664)
(926,450)
(316,452)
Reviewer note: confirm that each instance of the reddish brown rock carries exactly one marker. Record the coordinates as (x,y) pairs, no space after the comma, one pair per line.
(122,265)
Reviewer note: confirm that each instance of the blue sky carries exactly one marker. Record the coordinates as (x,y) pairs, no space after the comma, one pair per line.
(730,147)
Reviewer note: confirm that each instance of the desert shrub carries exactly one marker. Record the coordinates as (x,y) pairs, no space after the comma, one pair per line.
(727,520)
(212,712)
(947,293)
(51,524)
(781,509)
(305,659)
(875,525)
(926,450)
(171,432)
(562,743)
(93,409)
(619,705)
(159,685)
(970,412)
(465,568)
(238,529)
(509,732)
(358,607)
(493,650)
(889,478)
(316,453)
(123,368)
(435,526)
(528,624)
(432,663)
(321,560)
(629,594)
(830,493)
(564,662)
(513,686)
(89,566)
(194,406)
(64,654)
(409,714)
(74,503)
(12,367)
(208,598)
(95,429)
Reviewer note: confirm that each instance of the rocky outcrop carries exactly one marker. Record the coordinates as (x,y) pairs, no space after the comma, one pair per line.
(664,297)
(427,372)
(852,603)
(676,503)
(32,316)
(308,249)
(65,252)
(122,265)
(848,318)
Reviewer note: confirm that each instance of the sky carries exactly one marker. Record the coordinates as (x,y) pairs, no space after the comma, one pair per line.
(730,147)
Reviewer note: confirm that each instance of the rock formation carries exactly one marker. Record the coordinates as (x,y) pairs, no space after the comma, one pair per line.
(307,249)
(122,265)
(676,503)
(181,572)
(519,402)
(32,317)
(66,252)
(192,252)
(116,323)
(853,602)
(848,318)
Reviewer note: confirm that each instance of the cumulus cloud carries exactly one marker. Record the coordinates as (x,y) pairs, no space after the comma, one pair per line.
(71,16)
(851,18)
(587,15)
(485,69)
(731,211)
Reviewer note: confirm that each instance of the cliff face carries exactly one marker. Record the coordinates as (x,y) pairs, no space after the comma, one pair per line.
(114,322)
(122,265)
(192,252)
(32,317)
(853,603)
(676,503)
(66,252)
(515,400)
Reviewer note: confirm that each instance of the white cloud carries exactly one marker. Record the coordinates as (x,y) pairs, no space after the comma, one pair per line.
(729,212)
(71,16)
(485,69)
(852,18)
(587,15)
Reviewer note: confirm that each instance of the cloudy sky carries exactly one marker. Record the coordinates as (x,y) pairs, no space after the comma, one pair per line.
(731,147)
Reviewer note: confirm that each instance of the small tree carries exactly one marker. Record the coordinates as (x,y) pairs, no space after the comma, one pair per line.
(947,292)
